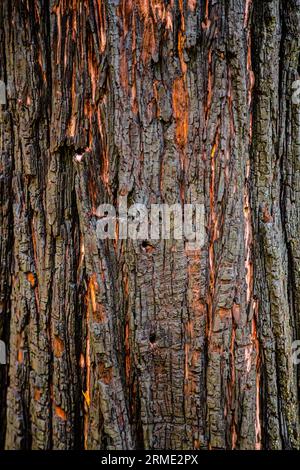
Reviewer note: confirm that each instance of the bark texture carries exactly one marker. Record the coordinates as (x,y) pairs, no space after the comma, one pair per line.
(129,344)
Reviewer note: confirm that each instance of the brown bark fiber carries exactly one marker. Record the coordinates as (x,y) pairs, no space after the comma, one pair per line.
(121,344)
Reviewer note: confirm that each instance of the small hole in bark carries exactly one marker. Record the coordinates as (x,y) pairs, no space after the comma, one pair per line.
(152,338)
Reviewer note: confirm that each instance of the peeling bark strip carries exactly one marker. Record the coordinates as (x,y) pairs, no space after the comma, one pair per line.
(122,344)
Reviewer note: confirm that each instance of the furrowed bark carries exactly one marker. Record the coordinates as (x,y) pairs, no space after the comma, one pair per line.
(122,344)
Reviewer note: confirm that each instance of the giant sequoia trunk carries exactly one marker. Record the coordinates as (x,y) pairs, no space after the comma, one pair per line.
(122,344)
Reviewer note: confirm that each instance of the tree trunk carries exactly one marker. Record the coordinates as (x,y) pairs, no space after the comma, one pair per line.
(121,344)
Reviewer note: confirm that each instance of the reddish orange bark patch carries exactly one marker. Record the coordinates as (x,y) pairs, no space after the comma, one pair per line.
(124,11)
(149,45)
(31,279)
(224,312)
(102,25)
(96,307)
(181,42)
(196,444)
(93,286)
(37,394)
(181,39)
(20,356)
(180,108)
(58,346)
(60,413)
(143,6)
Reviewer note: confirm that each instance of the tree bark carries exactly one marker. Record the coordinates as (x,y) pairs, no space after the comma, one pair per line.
(123,344)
